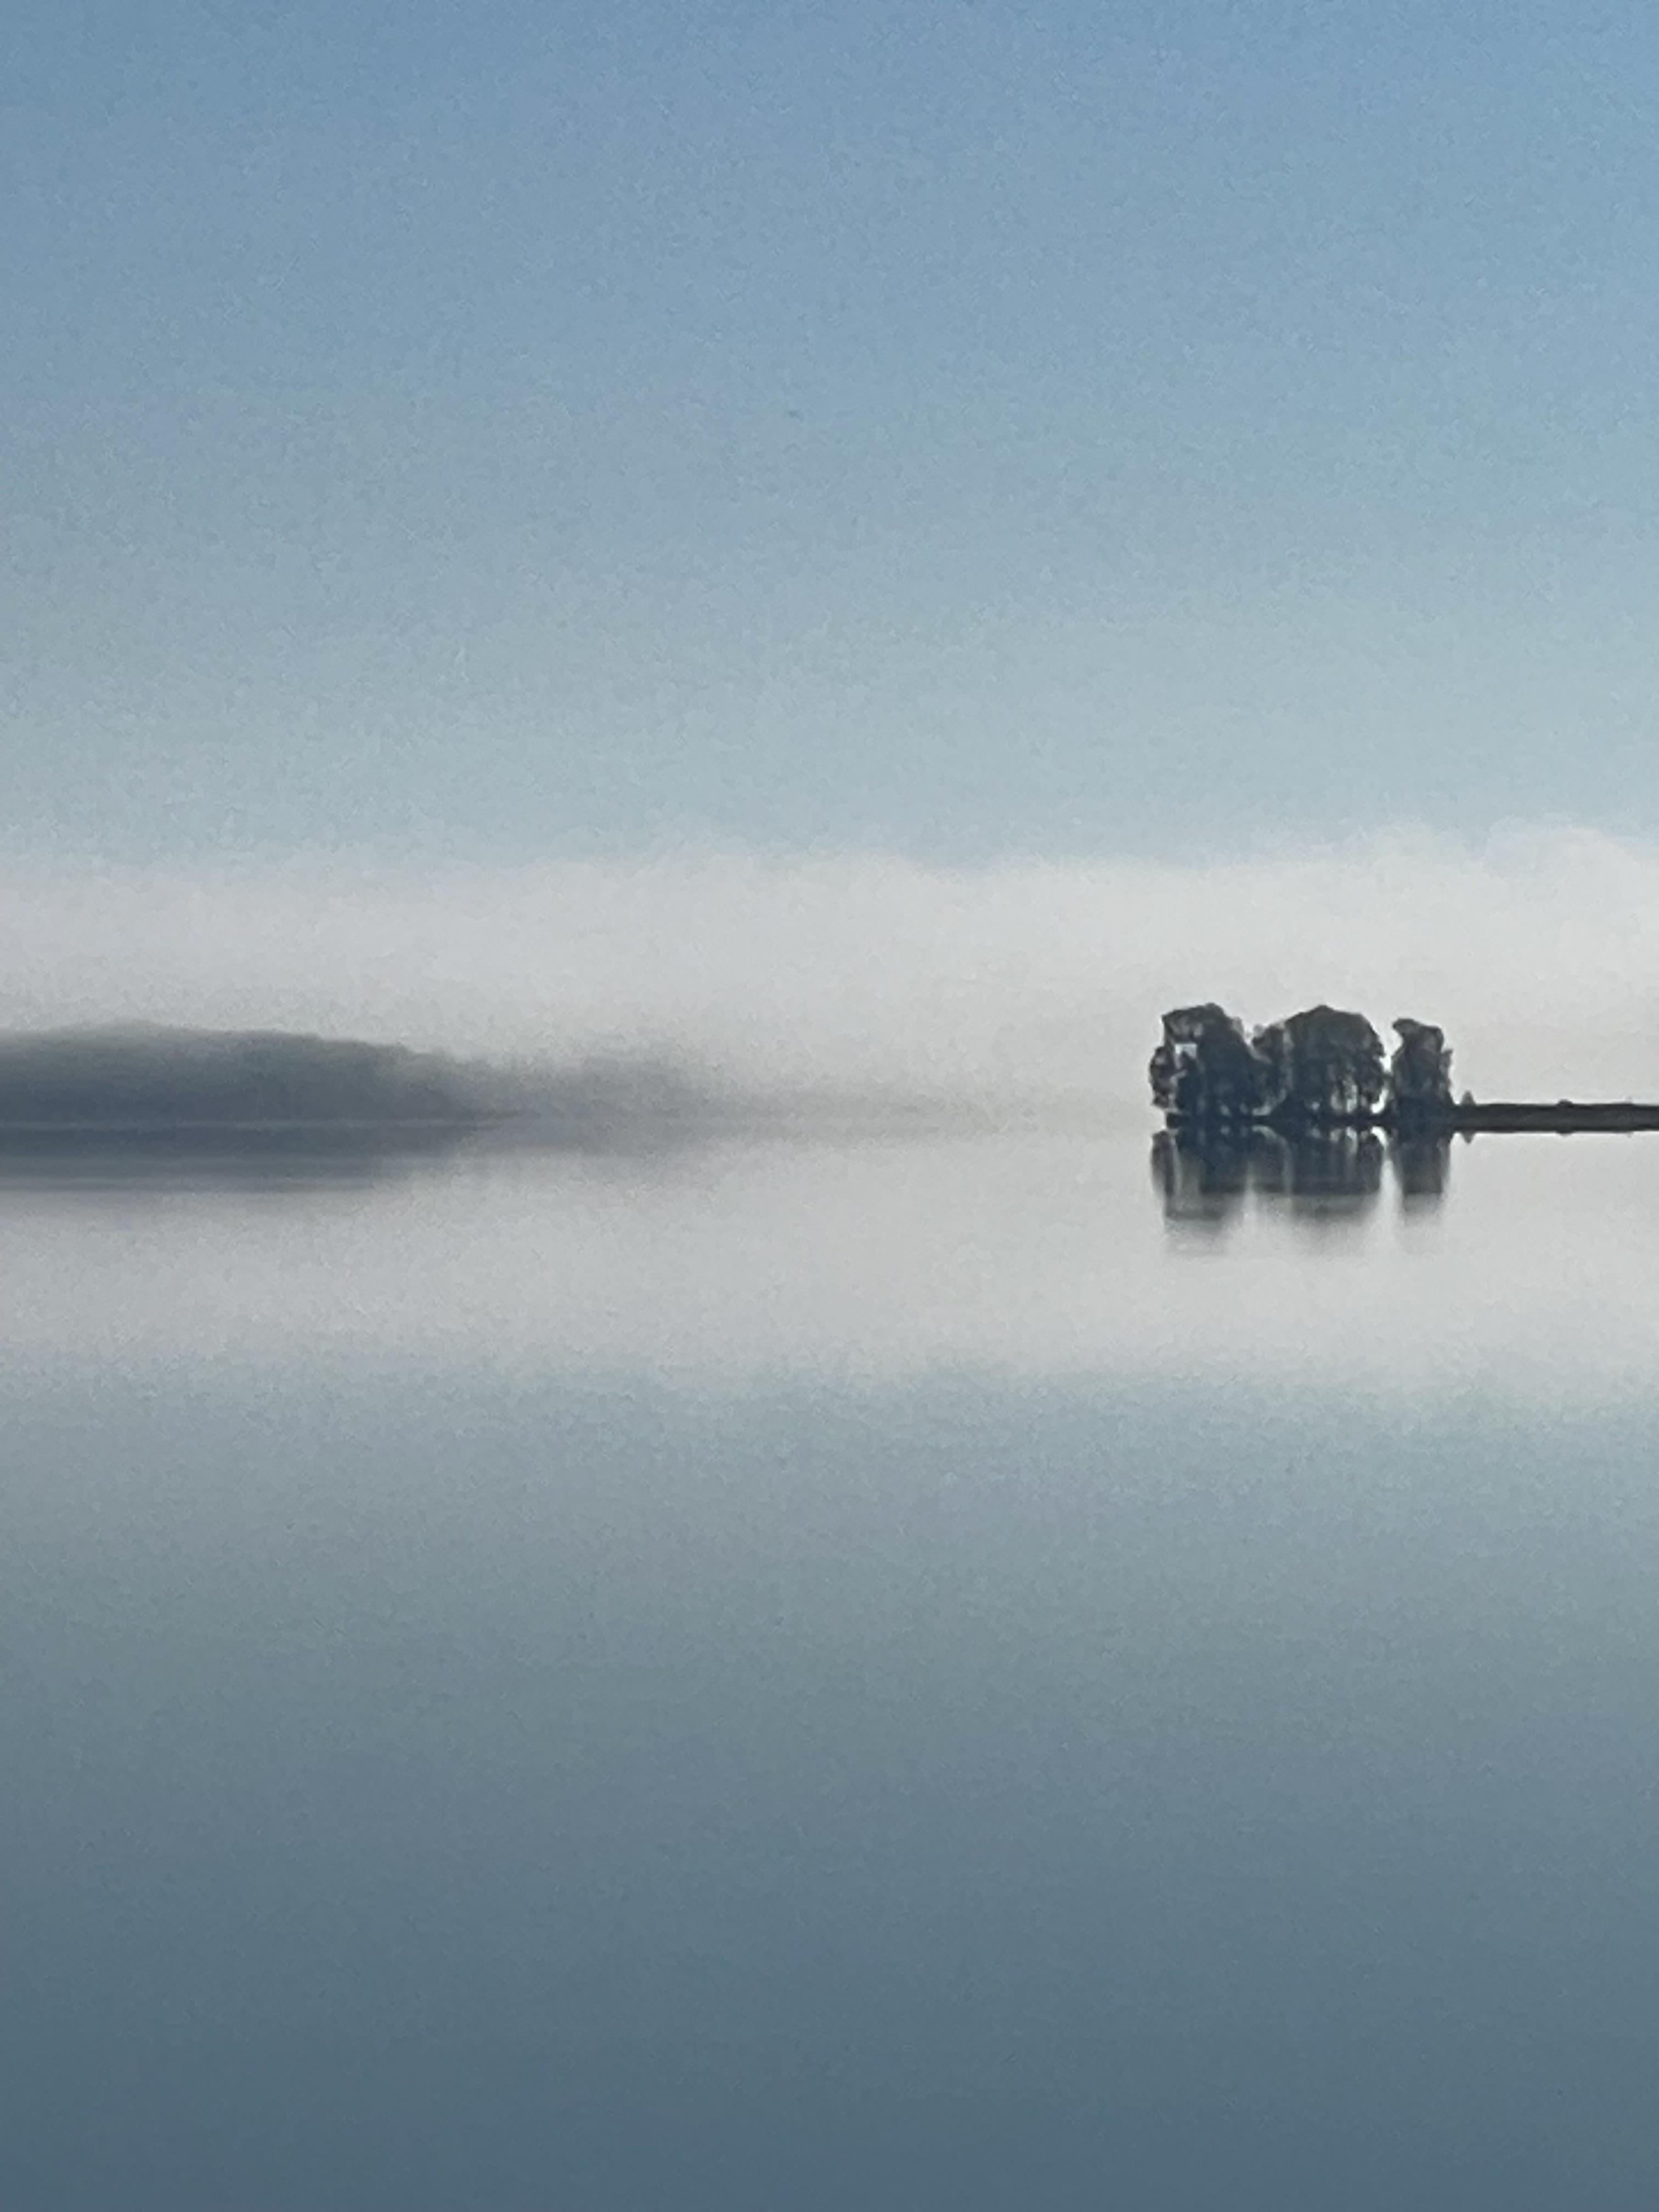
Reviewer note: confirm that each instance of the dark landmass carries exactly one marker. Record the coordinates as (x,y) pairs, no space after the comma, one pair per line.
(278,1104)
(142,1079)
(166,1092)
(1324,1069)
(1622,1116)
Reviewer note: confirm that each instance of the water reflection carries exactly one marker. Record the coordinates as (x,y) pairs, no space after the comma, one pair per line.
(1034,1254)
(1421,1165)
(1332,1178)
(231,1158)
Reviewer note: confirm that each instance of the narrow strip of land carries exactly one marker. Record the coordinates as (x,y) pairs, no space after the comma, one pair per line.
(1561,1118)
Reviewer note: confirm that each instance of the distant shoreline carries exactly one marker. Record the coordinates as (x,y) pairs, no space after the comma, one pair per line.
(142,1086)
(1563,1118)
(210,1124)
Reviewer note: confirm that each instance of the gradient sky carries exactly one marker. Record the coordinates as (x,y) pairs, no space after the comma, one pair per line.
(512,429)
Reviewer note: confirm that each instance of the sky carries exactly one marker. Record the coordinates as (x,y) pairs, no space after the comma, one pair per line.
(473,436)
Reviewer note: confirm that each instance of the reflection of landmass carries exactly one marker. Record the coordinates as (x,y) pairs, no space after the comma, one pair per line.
(200,1157)
(1331,1176)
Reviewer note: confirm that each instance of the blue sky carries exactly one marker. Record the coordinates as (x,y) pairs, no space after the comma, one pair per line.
(507,430)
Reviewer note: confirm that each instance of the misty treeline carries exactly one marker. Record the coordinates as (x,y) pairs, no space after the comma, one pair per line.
(141,1076)
(1320,1068)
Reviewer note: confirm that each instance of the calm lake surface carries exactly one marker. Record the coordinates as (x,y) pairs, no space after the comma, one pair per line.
(965,1672)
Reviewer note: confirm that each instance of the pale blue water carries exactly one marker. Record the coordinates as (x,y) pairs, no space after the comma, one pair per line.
(436,1778)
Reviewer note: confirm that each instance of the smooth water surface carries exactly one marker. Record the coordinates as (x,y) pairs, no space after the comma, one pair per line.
(829,1676)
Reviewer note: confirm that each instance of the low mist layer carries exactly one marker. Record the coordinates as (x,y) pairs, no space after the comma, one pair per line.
(1025,985)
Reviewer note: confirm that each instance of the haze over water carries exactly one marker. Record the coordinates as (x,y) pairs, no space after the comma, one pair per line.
(896,1663)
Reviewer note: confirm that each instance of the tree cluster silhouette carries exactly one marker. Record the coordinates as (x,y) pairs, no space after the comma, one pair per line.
(1321,1068)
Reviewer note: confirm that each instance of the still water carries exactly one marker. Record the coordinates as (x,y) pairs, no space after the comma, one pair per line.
(1007,1670)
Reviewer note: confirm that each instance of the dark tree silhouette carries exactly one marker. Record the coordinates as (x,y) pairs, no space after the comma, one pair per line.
(1322,1066)
(1322,1069)
(1205,1069)
(1420,1075)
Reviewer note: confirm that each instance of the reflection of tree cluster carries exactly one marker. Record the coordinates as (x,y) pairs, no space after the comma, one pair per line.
(1326,1176)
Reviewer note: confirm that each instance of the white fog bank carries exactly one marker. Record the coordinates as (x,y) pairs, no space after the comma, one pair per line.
(1030,981)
